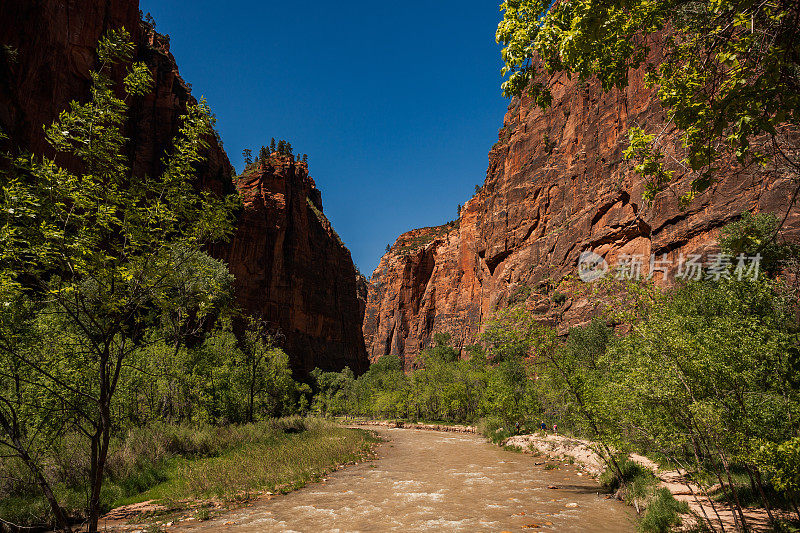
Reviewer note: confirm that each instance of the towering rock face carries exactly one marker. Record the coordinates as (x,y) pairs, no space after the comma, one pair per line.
(557,185)
(47,49)
(290,267)
(293,271)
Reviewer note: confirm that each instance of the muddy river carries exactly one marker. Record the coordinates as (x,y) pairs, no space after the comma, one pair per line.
(433,481)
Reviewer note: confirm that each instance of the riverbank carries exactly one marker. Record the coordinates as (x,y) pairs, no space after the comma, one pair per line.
(275,463)
(429,480)
(165,474)
(701,503)
(453,428)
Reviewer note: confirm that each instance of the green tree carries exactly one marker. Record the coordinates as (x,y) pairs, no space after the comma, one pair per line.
(708,378)
(272,146)
(247,154)
(92,252)
(263,155)
(756,235)
(726,72)
(265,374)
(334,391)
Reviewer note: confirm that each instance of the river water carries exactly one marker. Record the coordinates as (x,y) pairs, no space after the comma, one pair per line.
(434,481)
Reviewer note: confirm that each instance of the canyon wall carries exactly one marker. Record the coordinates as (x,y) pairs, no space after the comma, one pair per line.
(48,50)
(556,186)
(291,269)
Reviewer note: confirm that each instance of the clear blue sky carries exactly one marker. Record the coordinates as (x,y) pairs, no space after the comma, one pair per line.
(396,103)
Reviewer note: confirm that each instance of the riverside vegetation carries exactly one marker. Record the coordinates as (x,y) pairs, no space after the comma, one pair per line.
(126,372)
(705,381)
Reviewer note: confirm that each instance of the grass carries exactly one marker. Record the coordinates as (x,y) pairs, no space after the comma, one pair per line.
(663,513)
(182,466)
(632,473)
(279,461)
(658,510)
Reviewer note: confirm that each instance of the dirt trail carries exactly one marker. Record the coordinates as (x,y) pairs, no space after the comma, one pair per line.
(582,451)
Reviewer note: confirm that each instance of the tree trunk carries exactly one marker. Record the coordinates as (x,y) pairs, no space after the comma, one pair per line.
(61,520)
(100,442)
(735,493)
(755,481)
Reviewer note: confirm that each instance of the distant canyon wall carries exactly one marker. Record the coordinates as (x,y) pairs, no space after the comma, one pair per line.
(293,271)
(556,186)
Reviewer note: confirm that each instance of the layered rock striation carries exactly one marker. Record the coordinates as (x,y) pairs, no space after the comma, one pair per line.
(557,185)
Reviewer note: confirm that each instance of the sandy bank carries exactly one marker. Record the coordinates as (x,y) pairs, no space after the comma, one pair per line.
(583,452)
(413,425)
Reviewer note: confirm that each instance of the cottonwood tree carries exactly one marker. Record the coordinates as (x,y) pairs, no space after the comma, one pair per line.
(86,256)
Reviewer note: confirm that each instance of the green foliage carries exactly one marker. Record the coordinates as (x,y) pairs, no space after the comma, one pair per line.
(100,270)
(334,391)
(726,73)
(756,234)
(663,513)
(172,462)
(519,295)
(630,470)
(559,298)
(513,334)
(780,462)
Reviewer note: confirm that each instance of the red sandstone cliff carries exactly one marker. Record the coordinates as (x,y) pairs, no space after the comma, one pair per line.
(52,45)
(293,271)
(290,267)
(556,186)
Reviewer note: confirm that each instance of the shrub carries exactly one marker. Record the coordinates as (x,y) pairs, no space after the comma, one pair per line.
(663,512)
(493,429)
(519,295)
(631,470)
(559,298)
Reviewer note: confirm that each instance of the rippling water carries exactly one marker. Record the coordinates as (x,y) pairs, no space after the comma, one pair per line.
(432,481)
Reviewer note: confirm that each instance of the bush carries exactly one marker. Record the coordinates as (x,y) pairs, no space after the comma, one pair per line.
(663,512)
(493,429)
(559,298)
(519,295)
(631,471)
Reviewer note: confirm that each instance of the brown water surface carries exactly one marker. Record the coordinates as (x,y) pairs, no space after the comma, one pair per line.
(433,481)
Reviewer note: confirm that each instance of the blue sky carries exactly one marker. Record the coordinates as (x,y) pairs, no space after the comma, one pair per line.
(396,104)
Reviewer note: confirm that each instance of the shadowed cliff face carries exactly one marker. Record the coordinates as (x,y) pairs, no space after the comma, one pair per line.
(55,45)
(556,186)
(293,271)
